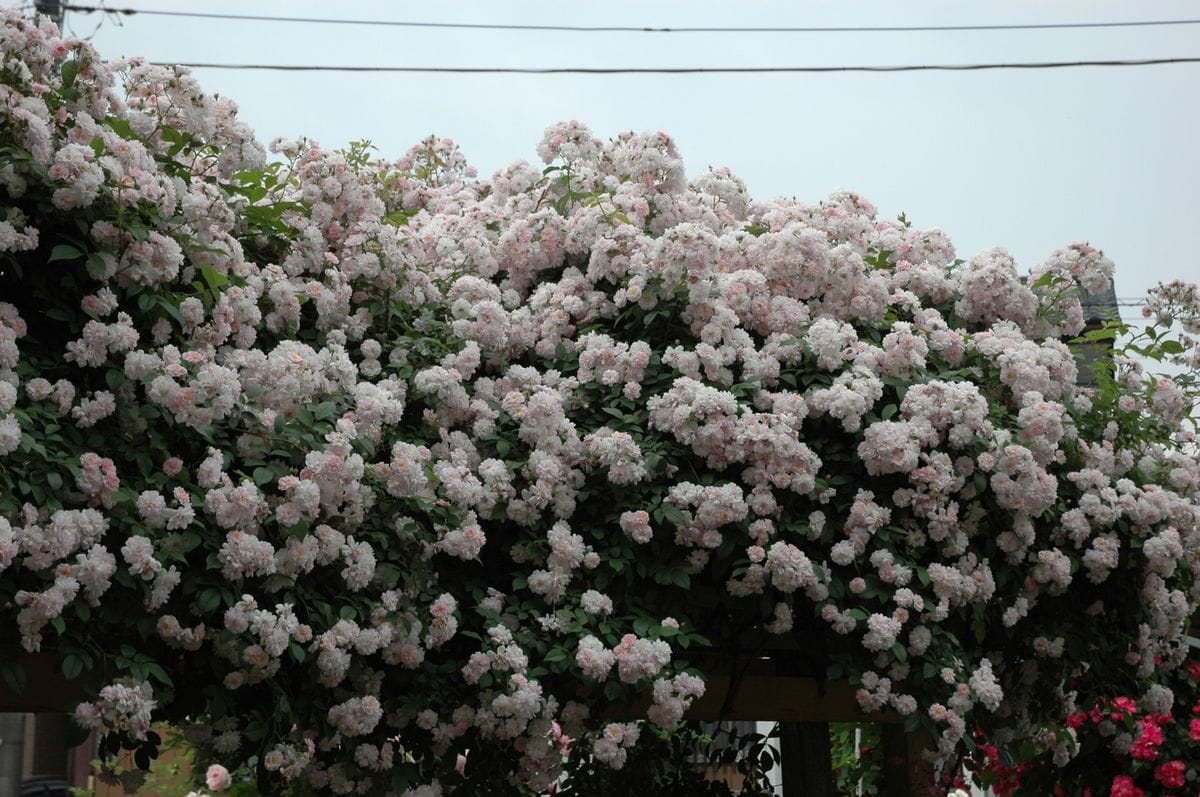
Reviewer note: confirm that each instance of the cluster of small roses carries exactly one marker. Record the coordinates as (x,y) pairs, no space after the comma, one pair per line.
(612,744)
(379,394)
(122,706)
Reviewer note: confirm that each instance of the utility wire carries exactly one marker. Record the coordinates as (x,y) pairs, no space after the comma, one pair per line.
(641,29)
(670,70)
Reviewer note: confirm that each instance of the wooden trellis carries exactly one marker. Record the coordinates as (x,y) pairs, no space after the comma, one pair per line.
(756,692)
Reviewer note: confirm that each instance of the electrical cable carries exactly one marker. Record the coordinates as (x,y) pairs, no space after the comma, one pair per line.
(641,29)
(672,70)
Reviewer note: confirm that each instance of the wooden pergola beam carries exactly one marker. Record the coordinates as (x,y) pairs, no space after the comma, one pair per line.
(777,698)
(46,688)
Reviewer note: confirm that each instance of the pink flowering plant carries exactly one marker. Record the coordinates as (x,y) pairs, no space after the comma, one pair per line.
(349,467)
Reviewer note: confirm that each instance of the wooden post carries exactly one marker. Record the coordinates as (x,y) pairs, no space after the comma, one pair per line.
(79,767)
(905,771)
(12,741)
(50,752)
(807,759)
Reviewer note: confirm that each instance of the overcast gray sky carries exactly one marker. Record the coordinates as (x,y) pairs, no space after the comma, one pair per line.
(1029,160)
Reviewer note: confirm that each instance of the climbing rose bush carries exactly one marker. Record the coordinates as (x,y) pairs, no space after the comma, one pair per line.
(350,466)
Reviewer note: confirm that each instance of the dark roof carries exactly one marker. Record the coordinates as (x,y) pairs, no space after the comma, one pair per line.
(1101,306)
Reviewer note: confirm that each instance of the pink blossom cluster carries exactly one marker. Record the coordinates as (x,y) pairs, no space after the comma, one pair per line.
(122,705)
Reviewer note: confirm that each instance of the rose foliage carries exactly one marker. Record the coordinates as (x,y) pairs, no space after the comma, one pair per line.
(352,466)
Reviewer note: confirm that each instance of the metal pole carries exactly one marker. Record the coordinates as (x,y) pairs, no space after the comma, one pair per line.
(12,744)
(858,790)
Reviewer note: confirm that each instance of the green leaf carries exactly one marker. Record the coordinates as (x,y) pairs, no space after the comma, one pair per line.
(14,676)
(215,280)
(402,777)
(209,600)
(159,674)
(72,666)
(263,476)
(348,613)
(64,252)
(398,218)
(255,731)
(170,309)
(979,628)
(70,70)
(673,514)
(54,480)
(121,127)
(555,654)
(1044,280)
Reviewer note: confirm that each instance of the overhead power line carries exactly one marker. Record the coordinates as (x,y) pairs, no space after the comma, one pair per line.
(685,70)
(640,29)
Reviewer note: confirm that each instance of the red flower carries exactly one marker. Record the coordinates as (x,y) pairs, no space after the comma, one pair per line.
(1194,670)
(1076,720)
(1146,746)
(1126,704)
(1143,751)
(1171,774)
(1194,730)
(1122,786)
